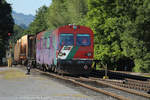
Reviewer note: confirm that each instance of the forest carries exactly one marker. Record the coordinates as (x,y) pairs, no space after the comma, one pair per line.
(6,25)
(121,28)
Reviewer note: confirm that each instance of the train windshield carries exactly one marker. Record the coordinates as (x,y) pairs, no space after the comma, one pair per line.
(83,40)
(66,39)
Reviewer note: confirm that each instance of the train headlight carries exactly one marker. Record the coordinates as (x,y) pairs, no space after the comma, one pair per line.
(85,67)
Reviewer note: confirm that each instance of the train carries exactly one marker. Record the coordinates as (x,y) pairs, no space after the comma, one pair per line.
(24,50)
(68,49)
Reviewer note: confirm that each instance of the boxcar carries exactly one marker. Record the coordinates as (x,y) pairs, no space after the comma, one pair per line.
(24,50)
(68,49)
(17,51)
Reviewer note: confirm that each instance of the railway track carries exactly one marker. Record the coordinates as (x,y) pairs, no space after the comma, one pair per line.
(138,85)
(129,75)
(129,83)
(99,87)
(119,75)
(126,79)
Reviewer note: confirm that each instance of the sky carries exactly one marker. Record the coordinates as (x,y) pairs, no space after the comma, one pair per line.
(28,6)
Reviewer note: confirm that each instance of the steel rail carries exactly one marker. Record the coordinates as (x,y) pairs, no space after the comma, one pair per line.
(121,88)
(73,80)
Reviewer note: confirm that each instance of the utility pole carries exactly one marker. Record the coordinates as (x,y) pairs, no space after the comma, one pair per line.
(9,52)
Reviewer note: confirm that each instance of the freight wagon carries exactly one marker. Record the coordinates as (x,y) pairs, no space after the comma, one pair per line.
(24,50)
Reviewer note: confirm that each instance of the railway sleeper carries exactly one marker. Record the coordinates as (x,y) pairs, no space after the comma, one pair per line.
(142,82)
(132,86)
(139,84)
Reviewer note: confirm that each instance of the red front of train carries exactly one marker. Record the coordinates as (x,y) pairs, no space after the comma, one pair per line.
(75,49)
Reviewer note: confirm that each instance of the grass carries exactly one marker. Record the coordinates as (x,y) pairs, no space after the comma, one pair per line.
(146,75)
(12,74)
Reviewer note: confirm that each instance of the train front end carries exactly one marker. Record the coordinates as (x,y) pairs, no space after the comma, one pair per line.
(75,49)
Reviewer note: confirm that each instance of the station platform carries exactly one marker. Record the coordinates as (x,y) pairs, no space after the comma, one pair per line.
(16,85)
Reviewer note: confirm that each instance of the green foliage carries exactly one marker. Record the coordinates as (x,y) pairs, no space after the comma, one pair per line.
(17,32)
(64,12)
(39,24)
(77,9)
(121,30)
(60,12)
(136,38)
(56,14)
(107,31)
(6,25)
(6,21)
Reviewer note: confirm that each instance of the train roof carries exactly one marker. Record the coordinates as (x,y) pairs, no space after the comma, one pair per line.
(72,26)
(24,37)
(82,29)
(45,34)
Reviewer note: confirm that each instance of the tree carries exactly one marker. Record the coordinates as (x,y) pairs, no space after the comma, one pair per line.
(77,10)
(39,24)
(64,12)
(6,20)
(107,28)
(136,37)
(18,30)
(121,31)
(6,25)
(57,14)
